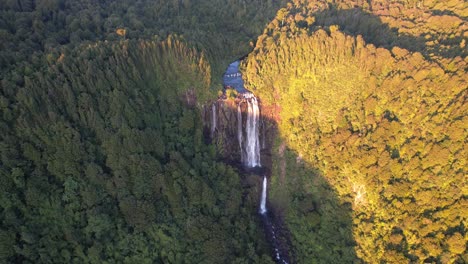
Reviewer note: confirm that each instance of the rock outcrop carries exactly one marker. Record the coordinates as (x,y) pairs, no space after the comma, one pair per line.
(224,117)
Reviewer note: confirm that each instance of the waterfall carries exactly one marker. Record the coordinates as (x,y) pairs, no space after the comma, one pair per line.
(250,145)
(239,131)
(263,208)
(270,226)
(213,120)
(252,127)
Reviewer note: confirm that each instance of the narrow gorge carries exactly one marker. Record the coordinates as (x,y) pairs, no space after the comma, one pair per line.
(244,137)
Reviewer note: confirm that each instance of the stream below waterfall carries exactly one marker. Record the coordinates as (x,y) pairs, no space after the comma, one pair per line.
(249,145)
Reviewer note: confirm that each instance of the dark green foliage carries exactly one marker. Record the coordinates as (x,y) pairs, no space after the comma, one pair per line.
(319,222)
(223,29)
(103,161)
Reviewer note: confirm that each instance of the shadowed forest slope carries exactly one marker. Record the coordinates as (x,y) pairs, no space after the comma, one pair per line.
(381,112)
(33,33)
(102,156)
(103,160)
(301,203)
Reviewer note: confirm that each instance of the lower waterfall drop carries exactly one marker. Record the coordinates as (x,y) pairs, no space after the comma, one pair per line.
(263,208)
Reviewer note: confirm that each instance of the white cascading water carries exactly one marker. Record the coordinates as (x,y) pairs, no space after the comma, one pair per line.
(239,131)
(213,120)
(249,145)
(263,208)
(252,158)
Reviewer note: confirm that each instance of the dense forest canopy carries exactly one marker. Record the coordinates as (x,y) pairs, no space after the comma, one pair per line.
(102,161)
(103,157)
(102,154)
(223,29)
(374,98)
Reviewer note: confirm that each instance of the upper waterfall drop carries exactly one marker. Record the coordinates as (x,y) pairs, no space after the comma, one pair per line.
(250,144)
(252,158)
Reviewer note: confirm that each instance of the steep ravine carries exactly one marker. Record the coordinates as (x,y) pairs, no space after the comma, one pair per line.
(244,134)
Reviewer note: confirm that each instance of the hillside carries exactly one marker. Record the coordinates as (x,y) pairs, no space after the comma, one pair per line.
(372,107)
(33,32)
(102,153)
(118,145)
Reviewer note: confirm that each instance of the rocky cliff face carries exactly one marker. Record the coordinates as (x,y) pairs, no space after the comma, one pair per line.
(225,124)
(228,123)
